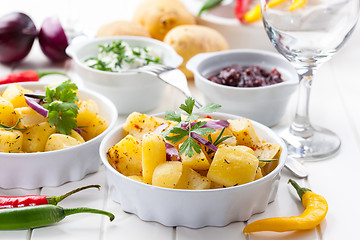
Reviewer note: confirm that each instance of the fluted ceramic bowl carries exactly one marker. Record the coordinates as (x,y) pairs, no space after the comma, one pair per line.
(34,170)
(193,208)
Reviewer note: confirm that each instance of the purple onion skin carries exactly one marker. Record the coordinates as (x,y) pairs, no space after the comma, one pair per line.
(17,35)
(53,40)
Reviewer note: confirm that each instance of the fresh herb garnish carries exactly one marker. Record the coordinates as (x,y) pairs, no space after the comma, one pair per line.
(268,160)
(12,128)
(186,128)
(60,102)
(113,57)
(219,139)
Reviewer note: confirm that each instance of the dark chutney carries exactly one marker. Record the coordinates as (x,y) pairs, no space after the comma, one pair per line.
(243,76)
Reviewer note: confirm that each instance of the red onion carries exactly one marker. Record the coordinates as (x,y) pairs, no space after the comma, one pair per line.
(53,40)
(36,106)
(219,124)
(203,141)
(17,35)
(172,153)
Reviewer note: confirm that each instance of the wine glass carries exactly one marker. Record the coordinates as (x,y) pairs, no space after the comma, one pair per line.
(307,37)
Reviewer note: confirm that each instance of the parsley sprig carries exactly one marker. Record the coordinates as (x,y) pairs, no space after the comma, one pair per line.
(60,102)
(186,128)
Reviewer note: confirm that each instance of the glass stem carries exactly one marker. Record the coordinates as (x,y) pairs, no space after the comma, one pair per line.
(301,125)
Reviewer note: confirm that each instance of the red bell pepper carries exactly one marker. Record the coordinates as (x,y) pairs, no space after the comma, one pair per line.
(241,8)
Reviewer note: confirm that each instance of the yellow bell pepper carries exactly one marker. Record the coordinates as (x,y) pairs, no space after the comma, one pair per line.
(254,14)
(316,208)
(296,4)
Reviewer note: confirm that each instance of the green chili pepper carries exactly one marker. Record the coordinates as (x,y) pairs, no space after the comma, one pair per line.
(39,216)
(209,4)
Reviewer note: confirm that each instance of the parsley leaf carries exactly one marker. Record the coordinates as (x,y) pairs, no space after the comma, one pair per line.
(60,102)
(184,129)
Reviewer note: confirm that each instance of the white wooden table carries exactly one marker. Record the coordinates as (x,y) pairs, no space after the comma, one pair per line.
(334,105)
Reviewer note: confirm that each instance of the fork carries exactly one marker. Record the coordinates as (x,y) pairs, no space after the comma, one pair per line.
(169,75)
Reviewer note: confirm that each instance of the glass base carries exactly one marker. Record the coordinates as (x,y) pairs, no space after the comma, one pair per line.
(322,144)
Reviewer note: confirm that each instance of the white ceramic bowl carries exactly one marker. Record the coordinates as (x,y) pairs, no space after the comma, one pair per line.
(222,19)
(34,170)
(265,104)
(129,91)
(193,208)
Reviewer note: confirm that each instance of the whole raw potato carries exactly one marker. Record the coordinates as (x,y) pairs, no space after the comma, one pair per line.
(119,28)
(160,16)
(189,40)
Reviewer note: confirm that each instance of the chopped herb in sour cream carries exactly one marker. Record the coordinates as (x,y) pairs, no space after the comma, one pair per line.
(119,56)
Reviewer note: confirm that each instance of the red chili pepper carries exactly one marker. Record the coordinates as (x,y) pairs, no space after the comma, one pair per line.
(241,7)
(32,200)
(25,76)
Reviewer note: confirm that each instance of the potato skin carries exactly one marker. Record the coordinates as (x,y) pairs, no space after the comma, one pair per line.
(160,16)
(121,27)
(189,40)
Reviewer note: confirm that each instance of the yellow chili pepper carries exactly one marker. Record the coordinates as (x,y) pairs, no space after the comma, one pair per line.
(296,4)
(316,208)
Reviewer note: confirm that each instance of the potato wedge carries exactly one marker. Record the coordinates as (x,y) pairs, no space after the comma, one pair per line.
(167,174)
(125,156)
(59,141)
(153,154)
(244,132)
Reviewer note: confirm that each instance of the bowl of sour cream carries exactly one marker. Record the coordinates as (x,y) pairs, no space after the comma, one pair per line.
(103,64)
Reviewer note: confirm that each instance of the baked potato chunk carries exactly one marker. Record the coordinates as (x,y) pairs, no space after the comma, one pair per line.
(7,113)
(153,154)
(36,137)
(28,117)
(14,93)
(190,179)
(59,141)
(11,141)
(232,166)
(198,161)
(244,132)
(138,124)
(125,156)
(167,174)
(89,120)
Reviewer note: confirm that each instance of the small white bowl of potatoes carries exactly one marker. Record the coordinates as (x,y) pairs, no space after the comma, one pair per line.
(211,188)
(35,153)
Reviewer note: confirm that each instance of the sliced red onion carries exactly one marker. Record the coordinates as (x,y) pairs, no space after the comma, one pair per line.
(171,152)
(36,106)
(78,130)
(218,124)
(161,128)
(203,141)
(36,95)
